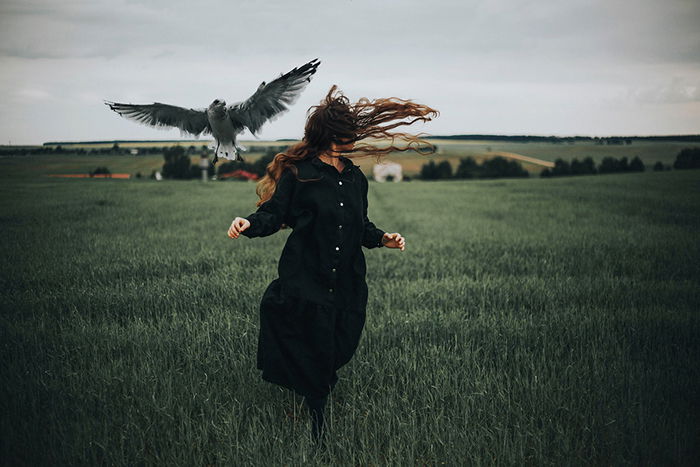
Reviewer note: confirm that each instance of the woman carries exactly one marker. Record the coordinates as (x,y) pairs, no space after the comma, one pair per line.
(312,316)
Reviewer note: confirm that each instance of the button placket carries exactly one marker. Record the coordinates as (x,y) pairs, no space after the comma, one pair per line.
(336,257)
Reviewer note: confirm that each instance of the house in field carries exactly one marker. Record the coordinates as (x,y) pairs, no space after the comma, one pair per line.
(384,170)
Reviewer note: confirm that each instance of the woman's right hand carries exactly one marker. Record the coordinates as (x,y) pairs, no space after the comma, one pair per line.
(238,225)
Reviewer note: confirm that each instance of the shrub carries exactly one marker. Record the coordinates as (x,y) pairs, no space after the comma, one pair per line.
(561,167)
(429,171)
(100,170)
(177,164)
(498,167)
(636,165)
(688,158)
(467,168)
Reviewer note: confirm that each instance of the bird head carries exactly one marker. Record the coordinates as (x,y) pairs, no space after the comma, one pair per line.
(217,103)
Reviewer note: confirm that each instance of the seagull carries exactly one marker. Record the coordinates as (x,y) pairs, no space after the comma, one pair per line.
(225,122)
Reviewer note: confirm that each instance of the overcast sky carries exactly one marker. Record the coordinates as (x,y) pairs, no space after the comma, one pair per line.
(587,67)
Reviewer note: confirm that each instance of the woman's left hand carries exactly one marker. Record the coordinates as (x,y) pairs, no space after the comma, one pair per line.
(394,240)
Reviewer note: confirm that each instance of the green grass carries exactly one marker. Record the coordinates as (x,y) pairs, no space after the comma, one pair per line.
(540,321)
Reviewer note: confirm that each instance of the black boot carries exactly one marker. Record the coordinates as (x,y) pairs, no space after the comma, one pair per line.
(316,407)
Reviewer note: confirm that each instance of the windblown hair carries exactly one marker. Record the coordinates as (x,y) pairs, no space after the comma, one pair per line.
(338,121)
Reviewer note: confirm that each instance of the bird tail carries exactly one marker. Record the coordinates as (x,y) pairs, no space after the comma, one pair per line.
(229,151)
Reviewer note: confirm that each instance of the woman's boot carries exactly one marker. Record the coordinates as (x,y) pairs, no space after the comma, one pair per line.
(316,407)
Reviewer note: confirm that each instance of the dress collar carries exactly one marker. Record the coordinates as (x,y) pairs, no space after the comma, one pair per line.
(347,162)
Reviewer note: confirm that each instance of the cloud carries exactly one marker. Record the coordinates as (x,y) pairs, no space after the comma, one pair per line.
(490,66)
(675,92)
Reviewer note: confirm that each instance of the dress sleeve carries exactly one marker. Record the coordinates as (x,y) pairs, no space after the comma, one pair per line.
(270,215)
(371,236)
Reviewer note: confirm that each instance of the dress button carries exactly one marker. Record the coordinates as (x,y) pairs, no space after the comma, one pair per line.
(339,182)
(333,270)
(337,248)
(330,290)
(340,226)
(341,203)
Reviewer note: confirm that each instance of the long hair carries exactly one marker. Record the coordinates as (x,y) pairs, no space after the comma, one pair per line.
(338,121)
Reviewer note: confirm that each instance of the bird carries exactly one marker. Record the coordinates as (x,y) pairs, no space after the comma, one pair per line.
(224,122)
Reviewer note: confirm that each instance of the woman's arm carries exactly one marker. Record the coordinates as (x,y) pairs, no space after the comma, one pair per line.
(270,215)
(371,236)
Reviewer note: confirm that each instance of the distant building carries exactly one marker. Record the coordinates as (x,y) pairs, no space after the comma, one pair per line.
(385,169)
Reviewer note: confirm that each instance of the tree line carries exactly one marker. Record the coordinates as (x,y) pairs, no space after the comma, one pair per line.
(496,167)
(688,158)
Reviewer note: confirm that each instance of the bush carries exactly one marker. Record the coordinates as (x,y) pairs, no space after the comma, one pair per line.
(498,167)
(659,166)
(429,171)
(561,167)
(100,171)
(177,164)
(688,158)
(609,165)
(636,165)
(468,168)
(585,167)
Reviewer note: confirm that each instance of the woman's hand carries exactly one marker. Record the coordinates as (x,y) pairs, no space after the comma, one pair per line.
(238,225)
(394,240)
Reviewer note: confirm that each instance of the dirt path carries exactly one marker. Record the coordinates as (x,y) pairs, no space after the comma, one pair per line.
(520,157)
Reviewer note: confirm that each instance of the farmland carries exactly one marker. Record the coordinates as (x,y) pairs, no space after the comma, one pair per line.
(529,321)
(452,150)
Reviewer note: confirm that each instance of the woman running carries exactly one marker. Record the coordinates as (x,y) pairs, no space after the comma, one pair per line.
(312,315)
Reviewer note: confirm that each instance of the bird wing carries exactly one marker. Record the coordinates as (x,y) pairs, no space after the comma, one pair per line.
(272,99)
(192,121)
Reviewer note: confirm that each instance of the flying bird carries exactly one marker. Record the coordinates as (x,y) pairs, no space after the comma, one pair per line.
(225,122)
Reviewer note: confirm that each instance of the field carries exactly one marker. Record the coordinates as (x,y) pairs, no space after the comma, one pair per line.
(452,150)
(531,321)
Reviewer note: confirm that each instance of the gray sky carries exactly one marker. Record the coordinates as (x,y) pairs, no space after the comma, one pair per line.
(596,67)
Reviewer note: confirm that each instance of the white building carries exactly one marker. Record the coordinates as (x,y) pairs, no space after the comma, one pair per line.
(382,170)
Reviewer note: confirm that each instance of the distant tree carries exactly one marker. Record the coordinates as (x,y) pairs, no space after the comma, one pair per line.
(498,166)
(624,165)
(608,165)
(577,167)
(688,158)
(429,171)
(589,166)
(659,166)
(100,171)
(546,173)
(636,165)
(561,167)
(177,164)
(115,148)
(444,169)
(467,168)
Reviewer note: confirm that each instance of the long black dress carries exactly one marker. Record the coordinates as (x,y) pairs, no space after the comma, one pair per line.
(313,314)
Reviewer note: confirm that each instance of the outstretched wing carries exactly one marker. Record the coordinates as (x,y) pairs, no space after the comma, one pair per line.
(163,115)
(271,99)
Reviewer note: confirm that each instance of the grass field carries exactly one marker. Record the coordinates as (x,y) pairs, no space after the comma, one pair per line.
(532,321)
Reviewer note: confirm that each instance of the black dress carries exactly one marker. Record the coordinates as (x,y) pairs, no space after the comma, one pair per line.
(312,315)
